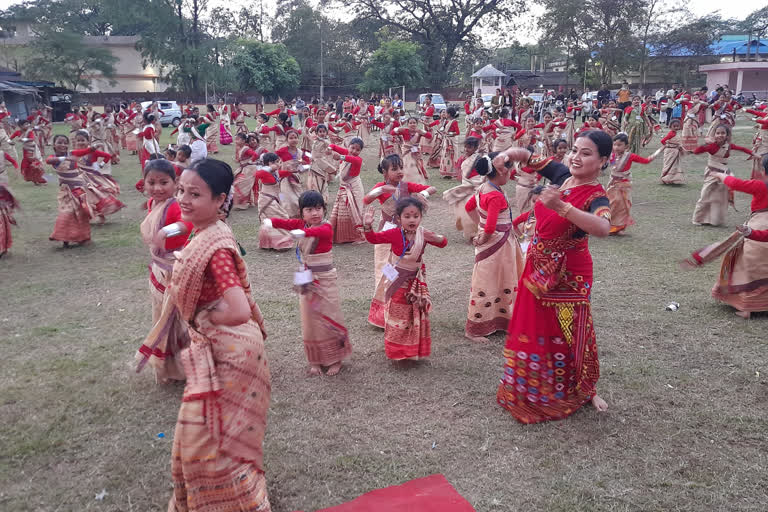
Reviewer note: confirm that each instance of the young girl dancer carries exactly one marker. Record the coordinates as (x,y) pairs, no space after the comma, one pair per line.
(102,189)
(31,163)
(388,193)
(295,161)
(73,224)
(498,258)
(471,180)
(671,172)
(619,189)
(326,341)
(323,166)
(245,182)
(163,232)
(387,142)
(407,301)
(412,161)
(211,130)
(148,137)
(505,129)
(347,214)
(449,149)
(8,203)
(270,204)
(713,202)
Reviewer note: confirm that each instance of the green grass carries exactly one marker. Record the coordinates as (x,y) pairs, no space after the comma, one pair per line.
(686,430)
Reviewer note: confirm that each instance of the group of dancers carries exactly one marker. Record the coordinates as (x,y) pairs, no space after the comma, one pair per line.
(532,273)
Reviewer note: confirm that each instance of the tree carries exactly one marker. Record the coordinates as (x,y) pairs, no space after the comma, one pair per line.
(688,44)
(394,63)
(756,23)
(440,27)
(265,67)
(654,25)
(63,57)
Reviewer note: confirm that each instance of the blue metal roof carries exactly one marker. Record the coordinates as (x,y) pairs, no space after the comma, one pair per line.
(725,48)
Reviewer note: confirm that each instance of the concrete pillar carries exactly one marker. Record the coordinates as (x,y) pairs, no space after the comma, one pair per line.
(739,80)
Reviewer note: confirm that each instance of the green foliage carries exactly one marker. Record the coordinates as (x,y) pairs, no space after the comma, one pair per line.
(63,57)
(394,63)
(265,67)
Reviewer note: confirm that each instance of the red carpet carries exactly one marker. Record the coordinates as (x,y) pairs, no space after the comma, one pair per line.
(430,494)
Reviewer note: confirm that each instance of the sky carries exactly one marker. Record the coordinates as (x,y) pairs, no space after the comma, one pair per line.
(732,9)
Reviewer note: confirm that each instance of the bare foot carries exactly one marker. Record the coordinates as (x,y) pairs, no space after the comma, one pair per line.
(599,404)
(743,314)
(314,371)
(334,369)
(102,219)
(476,339)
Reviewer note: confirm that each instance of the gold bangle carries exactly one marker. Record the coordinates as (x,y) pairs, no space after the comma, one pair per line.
(563,211)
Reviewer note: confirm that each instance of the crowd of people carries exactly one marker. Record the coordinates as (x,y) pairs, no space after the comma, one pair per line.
(532,274)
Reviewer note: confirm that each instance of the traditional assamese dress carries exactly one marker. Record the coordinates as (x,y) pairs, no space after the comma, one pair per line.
(551,367)
(760,145)
(166,364)
(450,151)
(413,165)
(722,113)
(149,145)
(388,142)
(458,196)
(245,183)
(690,138)
(101,189)
(291,186)
(406,300)
(326,340)
(671,172)
(270,206)
(32,160)
(713,202)
(636,125)
(619,189)
(211,133)
(743,280)
(74,213)
(347,212)
(216,460)
(322,169)
(505,134)
(381,252)
(8,203)
(498,264)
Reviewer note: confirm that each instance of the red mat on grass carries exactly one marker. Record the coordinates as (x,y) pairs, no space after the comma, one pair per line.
(429,494)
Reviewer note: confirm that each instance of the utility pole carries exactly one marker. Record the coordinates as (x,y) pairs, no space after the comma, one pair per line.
(322,83)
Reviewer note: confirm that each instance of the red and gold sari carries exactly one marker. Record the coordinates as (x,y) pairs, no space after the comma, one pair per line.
(8,204)
(216,460)
(73,220)
(551,367)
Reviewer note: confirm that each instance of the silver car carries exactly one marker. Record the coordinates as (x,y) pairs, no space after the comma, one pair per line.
(437,100)
(171,111)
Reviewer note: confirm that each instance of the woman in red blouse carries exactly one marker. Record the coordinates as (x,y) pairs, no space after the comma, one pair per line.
(271,204)
(450,151)
(551,367)
(326,341)
(672,142)
(164,232)
(713,201)
(227,376)
(498,258)
(407,301)
(347,213)
(412,161)
(74,214)
(102,189)
(619,189)
(295,161)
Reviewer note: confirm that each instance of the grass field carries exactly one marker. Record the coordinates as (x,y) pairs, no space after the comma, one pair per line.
(686,429)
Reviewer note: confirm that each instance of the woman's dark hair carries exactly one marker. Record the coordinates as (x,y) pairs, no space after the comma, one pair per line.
(149,117)
(162,166)
(242,137)
(621,137)
(264,117)
(268,158)
(484,165)
(184,149)
(358,141)
(60,136)
(284,119)
(452,112)
(406,202)
(472,142)
(215,173)
(311,199)
(155,156)
(80,133)
(348,116)
(389,162)
(171,153)
(210,107)
(725,127)
(250,137)
(321,127)
(558,142)
(504,113)
(601,140)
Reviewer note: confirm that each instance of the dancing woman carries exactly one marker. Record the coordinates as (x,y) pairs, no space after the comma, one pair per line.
(245,182)
(551,367)
(412,161)
(295,161)
(347,213)
(449,147)
(635,124)
(471,180)
(271,204)
(713,202)
(74,213)
(217,455)
(8,204)
(671,172)
(498,258)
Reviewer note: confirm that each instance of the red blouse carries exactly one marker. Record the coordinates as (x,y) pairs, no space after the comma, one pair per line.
(267,178)
(670,135)
(493,203)
(355,162)
(634,158)
(713,148)
(323,232)
(286,156)
(394,237)
(759,235)
(756,188)
(406,134)
(412,189)
(220,275)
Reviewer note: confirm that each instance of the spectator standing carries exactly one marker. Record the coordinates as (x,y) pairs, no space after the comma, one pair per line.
(339,106)
(624,98)
(603,96)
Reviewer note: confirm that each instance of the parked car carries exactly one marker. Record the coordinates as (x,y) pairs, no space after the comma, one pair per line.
(171,111)
(437,100)
(487,100)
